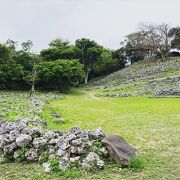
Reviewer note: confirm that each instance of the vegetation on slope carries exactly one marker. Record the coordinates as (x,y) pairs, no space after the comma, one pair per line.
(143,77)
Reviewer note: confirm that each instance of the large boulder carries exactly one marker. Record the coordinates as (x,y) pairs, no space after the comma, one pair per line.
(119,150)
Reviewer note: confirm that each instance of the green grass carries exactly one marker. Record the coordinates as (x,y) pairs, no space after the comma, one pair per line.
(150,124)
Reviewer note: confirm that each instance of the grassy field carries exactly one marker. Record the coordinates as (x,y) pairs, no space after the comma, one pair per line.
(150,124)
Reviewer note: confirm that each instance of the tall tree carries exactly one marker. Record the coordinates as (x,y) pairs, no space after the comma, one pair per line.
(157,38)
(89,54)
(174,33)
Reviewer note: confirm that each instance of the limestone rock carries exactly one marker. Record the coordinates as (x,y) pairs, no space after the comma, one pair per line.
(23,140)
(31,155)
(10,148)
(97,134)
(92,160)
(47,167)
(39,142)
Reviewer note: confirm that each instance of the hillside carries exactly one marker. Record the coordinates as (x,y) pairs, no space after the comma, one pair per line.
(151,77)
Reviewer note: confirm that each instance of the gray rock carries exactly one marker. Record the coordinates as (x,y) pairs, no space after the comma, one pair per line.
(51,149)
(63,144)
(13,135)
(92,160)
(2,159)
(60,152)
(49,134)
(4,140)
(77,142)
(103,151)
(23,140)
(63,164)
(75,130)
(53,141)
(31,155)
(73,150)
(75,159)
(119,150)
(47,167)
(35,132)
(39,142)
(52,156)
(97,134)
(6,127)
(10,148)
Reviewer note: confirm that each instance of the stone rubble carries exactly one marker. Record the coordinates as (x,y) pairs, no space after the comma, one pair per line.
(26,139)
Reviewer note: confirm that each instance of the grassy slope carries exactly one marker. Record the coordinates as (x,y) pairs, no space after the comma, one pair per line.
(144,77)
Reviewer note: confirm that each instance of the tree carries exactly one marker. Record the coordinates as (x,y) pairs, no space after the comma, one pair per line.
(30,75)
(27,45)
(11,44)
(156,38)
(174,33)
(59,74)
(89,54)
(59,43)
(5,54)
(59,49)
(107,63)
(10,71)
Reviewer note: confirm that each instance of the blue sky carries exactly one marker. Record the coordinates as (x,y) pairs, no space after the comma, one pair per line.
(105,21)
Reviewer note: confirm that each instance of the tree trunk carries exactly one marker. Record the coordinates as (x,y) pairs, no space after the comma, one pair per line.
(33,87)
(87,75)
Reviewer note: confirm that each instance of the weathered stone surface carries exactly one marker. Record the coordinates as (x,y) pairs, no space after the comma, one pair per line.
(47,167)
(92,160)
(63,144)
(23,140)
(49,134)
(4,140)
(13,135)
(40,142)
(31,155)
(10,148)
(119,150)
(6,127)
(97,134)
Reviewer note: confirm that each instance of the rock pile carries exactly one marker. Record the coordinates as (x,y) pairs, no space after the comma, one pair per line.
(167,91)
(25,139)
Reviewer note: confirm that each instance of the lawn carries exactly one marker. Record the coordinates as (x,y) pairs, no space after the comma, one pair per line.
(150,124)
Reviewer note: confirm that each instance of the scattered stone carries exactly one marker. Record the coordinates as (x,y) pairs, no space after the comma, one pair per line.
(47,167)
(119,150)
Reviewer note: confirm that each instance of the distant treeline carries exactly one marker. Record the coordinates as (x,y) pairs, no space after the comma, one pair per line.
(63,65)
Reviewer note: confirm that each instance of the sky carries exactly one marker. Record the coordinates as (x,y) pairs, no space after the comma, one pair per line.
(105,21)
